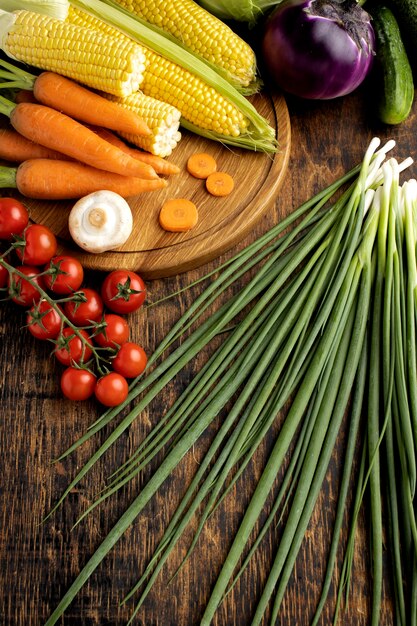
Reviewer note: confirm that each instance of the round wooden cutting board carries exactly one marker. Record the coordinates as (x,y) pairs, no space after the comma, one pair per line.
(222,222)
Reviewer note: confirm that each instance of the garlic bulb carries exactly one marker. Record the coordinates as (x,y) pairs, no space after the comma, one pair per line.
(100,221)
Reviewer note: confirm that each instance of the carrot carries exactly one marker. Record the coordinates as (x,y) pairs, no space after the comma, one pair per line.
(220,184)
(14,147)
(60,132)
(83,104)
(25,95)
(158,163)
(201,165)
(46,179)
(178,215)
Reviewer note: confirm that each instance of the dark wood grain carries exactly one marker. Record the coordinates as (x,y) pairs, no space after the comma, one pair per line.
(39,561)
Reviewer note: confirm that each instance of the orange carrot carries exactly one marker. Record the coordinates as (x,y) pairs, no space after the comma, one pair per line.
(83,104)
(178,215)
(220,184)
(14,147)
(158,163)
(201,165)
(25,95)
(60,132)
(47,179)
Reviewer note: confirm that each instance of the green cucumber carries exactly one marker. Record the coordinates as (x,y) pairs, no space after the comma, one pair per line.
(393,76)
(406,13)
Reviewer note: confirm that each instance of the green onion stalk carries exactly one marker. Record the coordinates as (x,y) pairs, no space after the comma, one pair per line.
(347,478)
(302,314)
(336,329)
(391,395)
(301,337)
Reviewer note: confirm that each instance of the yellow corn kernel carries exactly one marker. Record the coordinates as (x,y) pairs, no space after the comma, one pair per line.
(199,103)
(201,32)
(162,118)
(114,65)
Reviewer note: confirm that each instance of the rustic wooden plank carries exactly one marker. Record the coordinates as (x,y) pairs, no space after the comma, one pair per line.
(39,561)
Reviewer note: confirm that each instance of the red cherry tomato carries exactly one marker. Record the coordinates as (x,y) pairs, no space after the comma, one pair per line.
(123,291)
(22,291)
(43,321)
(39,246)
(13,218)
(70,349)
(115,332)
(111,389)
(86,307)
(77,384)
(130,361)
(4,275)
(66,275)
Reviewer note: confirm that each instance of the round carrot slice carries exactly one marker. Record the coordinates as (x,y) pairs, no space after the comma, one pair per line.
(201,165)
(178,215)
(220,184)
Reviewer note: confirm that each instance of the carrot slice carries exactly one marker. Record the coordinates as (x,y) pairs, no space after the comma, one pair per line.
(201,165)
(57,131)
(82,104)
(47,179)
(220,184)
(16,148)
(178,215)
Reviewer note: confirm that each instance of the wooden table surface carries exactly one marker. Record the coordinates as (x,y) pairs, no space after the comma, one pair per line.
(39,561)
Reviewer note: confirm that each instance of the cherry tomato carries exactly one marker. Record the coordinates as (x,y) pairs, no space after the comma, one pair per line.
(70,349)
(77,384)
(66,275)
(13,218)
(114,333)
(130,361)
(123,291)
(40,245)
(4,275)
(22,291)
(111,389)
(86,307)
(43,321)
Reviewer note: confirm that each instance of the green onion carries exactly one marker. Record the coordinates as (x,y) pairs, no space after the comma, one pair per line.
(301,336)
(285,436)
(354,423)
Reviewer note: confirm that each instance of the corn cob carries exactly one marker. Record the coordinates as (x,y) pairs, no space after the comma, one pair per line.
(201,32)
(110,64)
(203,108)
(162,118)
(163,80)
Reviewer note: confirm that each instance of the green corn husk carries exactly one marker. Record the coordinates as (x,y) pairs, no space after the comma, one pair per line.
(249,11)
(54,8)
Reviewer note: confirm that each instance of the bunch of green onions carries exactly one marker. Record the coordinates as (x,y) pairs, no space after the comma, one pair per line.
(309,330)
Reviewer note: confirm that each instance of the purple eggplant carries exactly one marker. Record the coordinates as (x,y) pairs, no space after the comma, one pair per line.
(318,49)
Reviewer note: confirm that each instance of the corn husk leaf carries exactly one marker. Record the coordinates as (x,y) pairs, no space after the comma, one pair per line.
(249,11)
(54,8)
